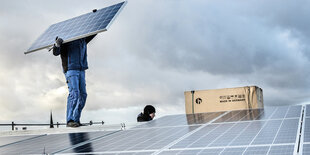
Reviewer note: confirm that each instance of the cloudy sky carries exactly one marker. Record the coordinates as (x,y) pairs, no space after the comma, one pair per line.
(152,53)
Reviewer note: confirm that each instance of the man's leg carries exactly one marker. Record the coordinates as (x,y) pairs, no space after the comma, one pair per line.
(72,77)
(83,95)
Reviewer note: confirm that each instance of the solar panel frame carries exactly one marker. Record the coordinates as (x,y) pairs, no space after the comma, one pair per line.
(74,35)
(304,147)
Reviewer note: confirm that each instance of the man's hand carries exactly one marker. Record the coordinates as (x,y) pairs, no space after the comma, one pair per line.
(58,42)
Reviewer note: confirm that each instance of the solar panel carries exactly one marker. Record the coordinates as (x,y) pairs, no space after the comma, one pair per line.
(273,130)
(51,143)
(78,27)
(12,139)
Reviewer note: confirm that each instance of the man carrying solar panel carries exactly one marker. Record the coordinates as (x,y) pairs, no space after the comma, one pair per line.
(74,62)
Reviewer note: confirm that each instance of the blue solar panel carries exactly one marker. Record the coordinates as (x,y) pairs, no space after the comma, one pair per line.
(273,130)
(78,27)
(13,139)
(51,143)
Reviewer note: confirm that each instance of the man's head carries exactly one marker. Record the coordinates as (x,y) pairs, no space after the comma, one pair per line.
(150,111)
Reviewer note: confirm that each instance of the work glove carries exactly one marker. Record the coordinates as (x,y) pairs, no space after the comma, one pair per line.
(58,42)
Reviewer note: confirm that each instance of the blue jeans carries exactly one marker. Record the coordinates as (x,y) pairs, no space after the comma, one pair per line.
(77,94)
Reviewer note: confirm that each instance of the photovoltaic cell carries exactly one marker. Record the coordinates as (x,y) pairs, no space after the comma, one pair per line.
(248,134)
(307,130)
(308,110)
(229,135)
(78,27)
(268,133)
(281,150)
(280,112)
(287,132)
(306,149)
(294,111)
(233,151)
(256,150)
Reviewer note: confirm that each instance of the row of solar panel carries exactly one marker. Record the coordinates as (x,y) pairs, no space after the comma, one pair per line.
(271,129)
(239,115)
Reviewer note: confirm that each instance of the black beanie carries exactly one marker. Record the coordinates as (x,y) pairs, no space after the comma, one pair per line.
(149,109)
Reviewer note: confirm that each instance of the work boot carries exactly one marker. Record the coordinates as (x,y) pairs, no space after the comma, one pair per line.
(72,124)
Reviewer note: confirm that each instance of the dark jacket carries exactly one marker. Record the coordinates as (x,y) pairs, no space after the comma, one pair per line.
(74,54)
(142,118)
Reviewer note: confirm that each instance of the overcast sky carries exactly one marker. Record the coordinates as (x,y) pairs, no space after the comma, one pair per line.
(152,53)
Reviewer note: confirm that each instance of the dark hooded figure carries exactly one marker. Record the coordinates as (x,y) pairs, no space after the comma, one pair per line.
(147,115)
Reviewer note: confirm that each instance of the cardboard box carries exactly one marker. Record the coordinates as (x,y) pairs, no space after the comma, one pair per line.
(200,101)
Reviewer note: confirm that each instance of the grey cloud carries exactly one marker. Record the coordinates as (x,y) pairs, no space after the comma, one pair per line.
(154,52)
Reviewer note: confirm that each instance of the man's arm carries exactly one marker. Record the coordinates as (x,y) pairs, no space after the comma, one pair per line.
(57,46)
(56,50)
(89,38)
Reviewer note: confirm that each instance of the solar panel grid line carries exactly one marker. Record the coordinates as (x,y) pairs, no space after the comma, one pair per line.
(268,133)
(111,142)
(97,139)
(215,141)
(193,118)
(249,133)
(241,132)
(255,118)
(154,142)
(187,135)
(234,116)
(289,131)
(227,117)
(158,142)
(279,113)
(237,123)
(262,128)
(120,141)
(201,137)
(173,120)
(85,142)
(223,134)
(278,130)
(294,111)
(131,140)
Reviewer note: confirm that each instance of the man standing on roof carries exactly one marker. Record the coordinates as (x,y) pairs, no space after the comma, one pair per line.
(147,115)
(74,62)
